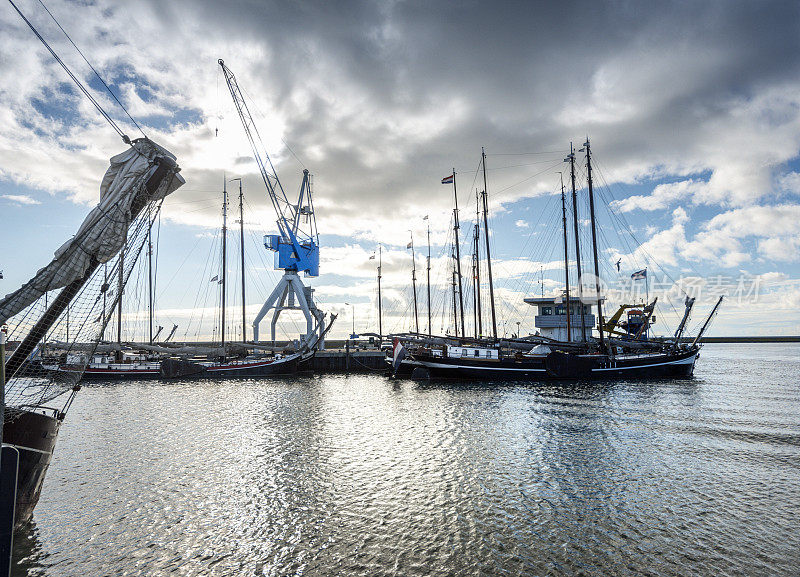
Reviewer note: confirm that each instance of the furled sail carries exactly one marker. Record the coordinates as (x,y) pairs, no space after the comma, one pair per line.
(56,319)
(103,232)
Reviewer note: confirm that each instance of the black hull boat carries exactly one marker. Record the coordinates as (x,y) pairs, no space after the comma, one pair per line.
(177,368)
(403,369)
(34,435)
(67,305)
(559,366)
(180,368)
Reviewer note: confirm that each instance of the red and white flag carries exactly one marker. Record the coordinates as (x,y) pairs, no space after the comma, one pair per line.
(398,353)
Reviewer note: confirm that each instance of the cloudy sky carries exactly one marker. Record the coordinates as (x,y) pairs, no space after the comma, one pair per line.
(692,108)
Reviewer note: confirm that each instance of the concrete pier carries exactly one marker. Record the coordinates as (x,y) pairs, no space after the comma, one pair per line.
(343,360)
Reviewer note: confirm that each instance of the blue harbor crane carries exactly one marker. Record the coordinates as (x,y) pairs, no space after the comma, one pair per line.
(296,245)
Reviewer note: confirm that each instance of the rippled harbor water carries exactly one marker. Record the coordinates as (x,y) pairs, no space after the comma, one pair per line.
(361,475)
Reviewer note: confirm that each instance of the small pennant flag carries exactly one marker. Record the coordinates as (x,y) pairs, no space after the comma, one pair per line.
(372,257)
(425,217)
(639,274)
(215,278)
(448,179)
(409,245)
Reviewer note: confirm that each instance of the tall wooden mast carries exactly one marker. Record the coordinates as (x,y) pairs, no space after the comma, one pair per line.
(414,282)
(474,293)
(571,159)
(241,254)
(488,252)
(455,307)
(104,290)
(120,289)
(224,254)
(456,227)
(380,315)
(428,280)
(150,275)
(587,148)
(566,255)
(476,256)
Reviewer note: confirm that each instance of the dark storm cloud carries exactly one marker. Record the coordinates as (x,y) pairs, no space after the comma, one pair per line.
(403,50)
(646,80)
(381,99)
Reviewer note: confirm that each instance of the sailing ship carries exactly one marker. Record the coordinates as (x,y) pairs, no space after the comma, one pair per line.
(227,368)
(622,348)
(224,365)
(121,361)
(246,361)
(124,365)
(131,192)
(134,361)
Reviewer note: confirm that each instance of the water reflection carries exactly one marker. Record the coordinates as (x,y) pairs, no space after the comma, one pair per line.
(29,558)
(361,475)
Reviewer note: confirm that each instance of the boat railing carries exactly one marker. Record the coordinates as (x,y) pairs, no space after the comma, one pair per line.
(627,356)
(40,409)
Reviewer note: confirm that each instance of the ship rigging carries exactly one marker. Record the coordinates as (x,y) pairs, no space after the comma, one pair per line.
(564,347)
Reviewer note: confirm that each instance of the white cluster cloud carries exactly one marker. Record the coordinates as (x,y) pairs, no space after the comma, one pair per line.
(721,240)
(662,197)
(20,199)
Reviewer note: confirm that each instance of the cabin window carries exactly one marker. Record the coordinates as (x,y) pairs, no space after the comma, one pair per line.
(560,310)
(547,311)
(477,353)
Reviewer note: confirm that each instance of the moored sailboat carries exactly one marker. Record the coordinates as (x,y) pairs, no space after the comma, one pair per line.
(621,349)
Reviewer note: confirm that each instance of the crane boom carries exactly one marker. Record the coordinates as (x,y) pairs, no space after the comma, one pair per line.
(297,249)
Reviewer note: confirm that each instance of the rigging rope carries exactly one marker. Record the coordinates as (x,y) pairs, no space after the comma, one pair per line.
(548,169)
(96,73)
(559,152)
(77,82)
